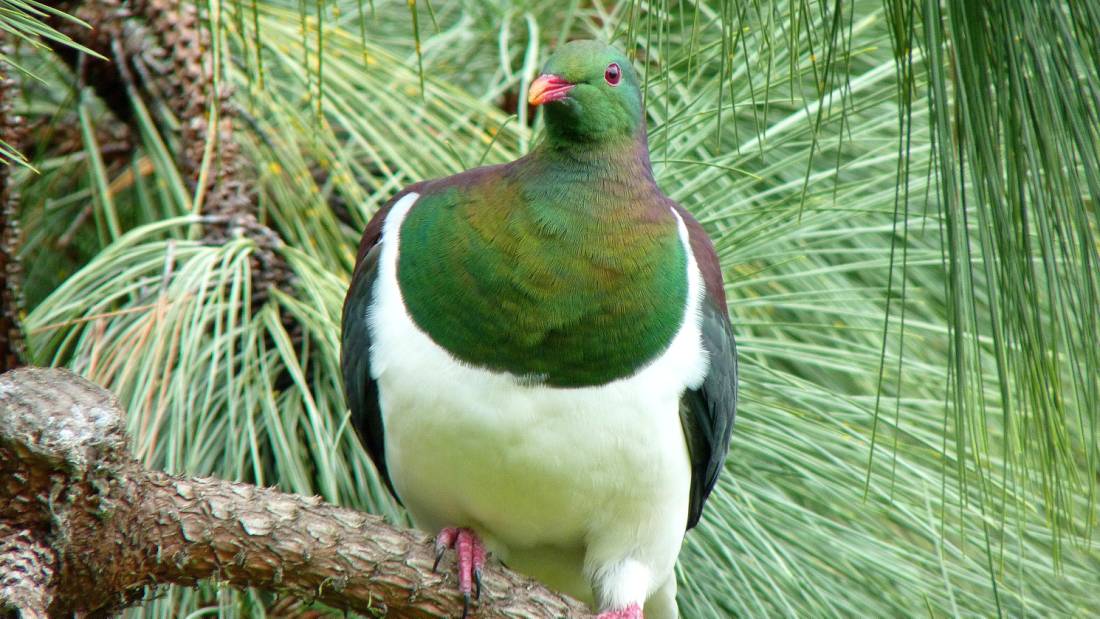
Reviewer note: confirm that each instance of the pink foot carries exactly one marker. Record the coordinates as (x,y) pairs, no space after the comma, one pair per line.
(630,612)
(471,558)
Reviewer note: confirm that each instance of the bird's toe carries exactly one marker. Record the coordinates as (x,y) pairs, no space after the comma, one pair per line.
(634,611)
(444,540)
(470,555)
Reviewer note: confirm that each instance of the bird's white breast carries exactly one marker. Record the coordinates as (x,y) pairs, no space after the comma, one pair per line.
(554,479)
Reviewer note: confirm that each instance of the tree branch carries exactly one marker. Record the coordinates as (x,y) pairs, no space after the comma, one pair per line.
(84,528)
(11,271)
(158,51)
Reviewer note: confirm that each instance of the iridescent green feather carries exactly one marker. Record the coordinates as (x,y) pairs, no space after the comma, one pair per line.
(524,269)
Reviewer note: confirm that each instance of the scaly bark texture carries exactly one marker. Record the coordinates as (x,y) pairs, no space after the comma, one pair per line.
(11,335)
(84,528)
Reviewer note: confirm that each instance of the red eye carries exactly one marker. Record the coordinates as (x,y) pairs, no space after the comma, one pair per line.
(613,74)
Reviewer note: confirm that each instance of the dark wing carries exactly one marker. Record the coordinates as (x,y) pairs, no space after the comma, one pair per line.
(360,388)
(707,412)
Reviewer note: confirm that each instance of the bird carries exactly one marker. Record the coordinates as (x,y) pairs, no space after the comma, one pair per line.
(538,355)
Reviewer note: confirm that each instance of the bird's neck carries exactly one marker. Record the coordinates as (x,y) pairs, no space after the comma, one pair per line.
(622,158)
(589,186)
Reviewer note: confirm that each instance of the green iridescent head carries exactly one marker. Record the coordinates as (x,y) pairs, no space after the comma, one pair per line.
(590,92)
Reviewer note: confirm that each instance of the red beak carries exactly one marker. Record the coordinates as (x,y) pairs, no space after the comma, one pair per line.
(547,88)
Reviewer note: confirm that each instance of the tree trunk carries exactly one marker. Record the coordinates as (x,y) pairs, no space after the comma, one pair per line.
(85,529)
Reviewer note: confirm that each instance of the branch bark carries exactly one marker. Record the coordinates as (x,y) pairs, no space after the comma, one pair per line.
(11,306)
(84,528)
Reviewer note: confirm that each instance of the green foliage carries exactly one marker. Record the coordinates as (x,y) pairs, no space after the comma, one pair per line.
(903,194)
(24,22)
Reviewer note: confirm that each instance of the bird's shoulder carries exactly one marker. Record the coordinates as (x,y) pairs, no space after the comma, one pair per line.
(702,248)
(471,181)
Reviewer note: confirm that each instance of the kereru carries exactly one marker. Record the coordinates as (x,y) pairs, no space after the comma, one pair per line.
(538,356)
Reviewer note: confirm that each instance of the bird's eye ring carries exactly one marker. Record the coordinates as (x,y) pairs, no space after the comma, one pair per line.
(613,74)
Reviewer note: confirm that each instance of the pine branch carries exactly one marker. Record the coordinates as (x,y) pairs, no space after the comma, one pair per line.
(11,280)
(158,51)
(84,528)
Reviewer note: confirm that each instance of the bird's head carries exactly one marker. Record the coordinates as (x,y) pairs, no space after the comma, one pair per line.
(590,93)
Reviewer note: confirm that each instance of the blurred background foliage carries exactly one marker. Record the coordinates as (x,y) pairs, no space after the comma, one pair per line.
(903,194)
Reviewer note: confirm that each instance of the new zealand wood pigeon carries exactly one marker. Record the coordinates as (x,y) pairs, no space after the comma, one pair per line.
(538,357)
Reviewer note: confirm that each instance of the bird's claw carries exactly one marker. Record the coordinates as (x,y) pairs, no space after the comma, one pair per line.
(438,558)
(471,558)
(446,539)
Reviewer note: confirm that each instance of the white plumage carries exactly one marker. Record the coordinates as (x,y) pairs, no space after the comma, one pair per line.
(572,486)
